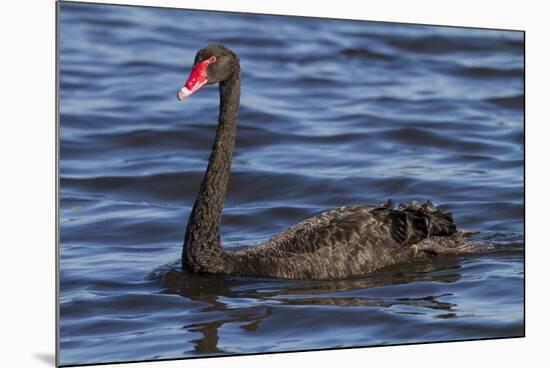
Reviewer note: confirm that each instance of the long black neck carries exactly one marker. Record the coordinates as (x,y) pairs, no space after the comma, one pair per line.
(202,249)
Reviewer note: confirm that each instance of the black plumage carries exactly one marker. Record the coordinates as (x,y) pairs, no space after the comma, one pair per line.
(344,242)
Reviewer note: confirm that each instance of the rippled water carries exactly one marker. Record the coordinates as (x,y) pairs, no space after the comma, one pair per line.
(332,113)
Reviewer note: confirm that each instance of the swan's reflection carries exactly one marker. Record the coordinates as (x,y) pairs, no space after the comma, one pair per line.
(249,301)
(248,320)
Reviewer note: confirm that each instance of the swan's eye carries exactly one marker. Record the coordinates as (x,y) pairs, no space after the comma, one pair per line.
(212,59)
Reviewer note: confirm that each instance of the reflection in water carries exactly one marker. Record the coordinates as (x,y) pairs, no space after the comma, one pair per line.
(247,318)
(224,295)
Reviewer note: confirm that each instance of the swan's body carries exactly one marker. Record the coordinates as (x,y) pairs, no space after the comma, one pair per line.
(343,242)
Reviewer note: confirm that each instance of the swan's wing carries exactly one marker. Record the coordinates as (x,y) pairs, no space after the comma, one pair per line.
(336,228)
(362,224)
(346,241)
(334,244)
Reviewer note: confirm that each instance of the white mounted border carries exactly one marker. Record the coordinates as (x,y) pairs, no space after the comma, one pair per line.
(27,155)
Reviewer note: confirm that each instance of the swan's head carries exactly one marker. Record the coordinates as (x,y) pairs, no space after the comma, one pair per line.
(213,64)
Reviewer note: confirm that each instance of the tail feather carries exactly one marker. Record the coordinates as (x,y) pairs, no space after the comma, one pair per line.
(414,222)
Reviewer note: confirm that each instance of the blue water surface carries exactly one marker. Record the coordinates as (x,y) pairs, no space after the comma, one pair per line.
(333,112)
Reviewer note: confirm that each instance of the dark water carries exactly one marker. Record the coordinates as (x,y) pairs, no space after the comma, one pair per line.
(332,113)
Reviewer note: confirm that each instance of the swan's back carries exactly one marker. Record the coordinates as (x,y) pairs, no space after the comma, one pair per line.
(344,242)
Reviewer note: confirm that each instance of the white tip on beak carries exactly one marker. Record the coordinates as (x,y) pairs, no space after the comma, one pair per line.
(183,93)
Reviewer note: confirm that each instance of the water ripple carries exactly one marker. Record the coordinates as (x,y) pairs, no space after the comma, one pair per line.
(332,113)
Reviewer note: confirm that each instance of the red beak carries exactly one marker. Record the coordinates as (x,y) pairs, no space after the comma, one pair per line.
(196,80)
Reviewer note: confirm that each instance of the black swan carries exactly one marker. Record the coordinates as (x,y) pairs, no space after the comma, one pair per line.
(344,242)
